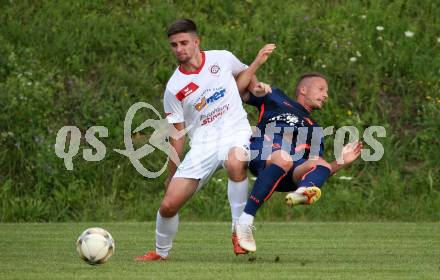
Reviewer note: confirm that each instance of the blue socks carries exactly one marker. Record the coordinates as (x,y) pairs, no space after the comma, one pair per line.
(264,186)
(269,178)
(315,177)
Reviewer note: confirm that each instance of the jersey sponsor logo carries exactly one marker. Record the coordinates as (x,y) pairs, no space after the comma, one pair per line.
(216,96)
(187,90)
(213,115)
(214,69)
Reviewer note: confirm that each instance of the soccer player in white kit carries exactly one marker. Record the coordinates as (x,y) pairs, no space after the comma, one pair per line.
(202,97)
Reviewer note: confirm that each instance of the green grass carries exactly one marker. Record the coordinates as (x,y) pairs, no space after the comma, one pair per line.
(203,251)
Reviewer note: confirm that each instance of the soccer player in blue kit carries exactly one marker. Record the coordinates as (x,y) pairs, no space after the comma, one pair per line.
(288,150)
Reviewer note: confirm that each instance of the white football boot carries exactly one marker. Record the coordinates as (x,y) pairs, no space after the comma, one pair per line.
(303,195)
(245,237)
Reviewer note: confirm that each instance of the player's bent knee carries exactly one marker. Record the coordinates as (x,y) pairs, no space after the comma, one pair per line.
(236,169)
(168,210)
(237,154)
(237,174)
(285,165)
(282,159)
(234,164)
(237,177)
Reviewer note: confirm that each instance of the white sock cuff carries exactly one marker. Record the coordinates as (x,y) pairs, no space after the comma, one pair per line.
(246,219)
(166,218)
(238,191)
(239,183)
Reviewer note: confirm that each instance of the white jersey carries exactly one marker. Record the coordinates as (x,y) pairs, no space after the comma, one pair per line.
(207,100)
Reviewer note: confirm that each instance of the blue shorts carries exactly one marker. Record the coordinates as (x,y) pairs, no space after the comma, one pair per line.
(261,149)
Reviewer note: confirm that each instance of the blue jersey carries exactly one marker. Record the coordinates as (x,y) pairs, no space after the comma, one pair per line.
(287,125)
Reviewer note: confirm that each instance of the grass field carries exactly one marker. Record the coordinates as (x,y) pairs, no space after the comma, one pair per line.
(203,251)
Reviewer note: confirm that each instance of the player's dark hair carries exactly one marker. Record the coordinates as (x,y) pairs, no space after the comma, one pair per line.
(309,75)
(182,26)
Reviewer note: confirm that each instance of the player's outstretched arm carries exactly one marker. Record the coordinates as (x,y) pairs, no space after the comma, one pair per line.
(177,142)
(261,89)
(349,154)
(247,79)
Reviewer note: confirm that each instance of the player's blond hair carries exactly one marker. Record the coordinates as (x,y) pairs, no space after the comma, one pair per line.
(307,76)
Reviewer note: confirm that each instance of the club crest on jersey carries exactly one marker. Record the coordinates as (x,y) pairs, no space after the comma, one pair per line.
(214,69)
(216,96)
(187,90)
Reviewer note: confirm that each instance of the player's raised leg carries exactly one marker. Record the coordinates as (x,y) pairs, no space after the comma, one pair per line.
(167,220)
(310,177)
(267,181)
(313,174)
(236,167)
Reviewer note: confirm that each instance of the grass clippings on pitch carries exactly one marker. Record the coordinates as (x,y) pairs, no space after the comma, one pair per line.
(204,251)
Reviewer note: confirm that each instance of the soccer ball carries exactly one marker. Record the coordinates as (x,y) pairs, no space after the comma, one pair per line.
(95,245)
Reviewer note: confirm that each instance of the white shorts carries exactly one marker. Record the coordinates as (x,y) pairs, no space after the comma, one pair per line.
(203,159)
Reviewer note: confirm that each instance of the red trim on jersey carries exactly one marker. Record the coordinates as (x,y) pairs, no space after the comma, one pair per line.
(276,146)
(261,113)
(302,146)
(197,71)
(275,186)
(308,120)
(187,90)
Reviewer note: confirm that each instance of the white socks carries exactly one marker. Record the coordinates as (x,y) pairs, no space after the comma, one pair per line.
(246,219)
(237,195)
(166,229)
